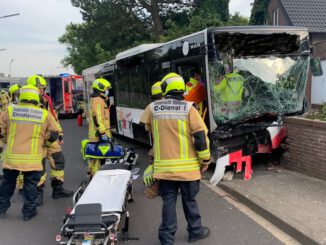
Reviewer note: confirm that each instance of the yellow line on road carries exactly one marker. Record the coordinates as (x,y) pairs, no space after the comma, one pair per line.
(274,230)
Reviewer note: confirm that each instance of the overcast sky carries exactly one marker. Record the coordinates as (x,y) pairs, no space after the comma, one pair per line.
(31,39)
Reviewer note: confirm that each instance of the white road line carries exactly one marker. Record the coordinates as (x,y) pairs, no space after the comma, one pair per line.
(275,231)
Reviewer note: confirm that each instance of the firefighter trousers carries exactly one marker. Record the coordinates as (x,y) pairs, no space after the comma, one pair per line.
(56,159)
(8,185)
(169,193)
(94,165)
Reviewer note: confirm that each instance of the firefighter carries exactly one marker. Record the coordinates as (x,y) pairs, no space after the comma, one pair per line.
(99,120)
(229,90)
(4,100)
(53,152)
(151,190)
(14,93)
(25,127)
(181,152)
(194,80)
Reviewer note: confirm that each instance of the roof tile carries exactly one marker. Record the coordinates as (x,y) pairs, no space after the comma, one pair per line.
(310,14)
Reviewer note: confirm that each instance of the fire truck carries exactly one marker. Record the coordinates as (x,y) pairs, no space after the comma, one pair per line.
(66,92)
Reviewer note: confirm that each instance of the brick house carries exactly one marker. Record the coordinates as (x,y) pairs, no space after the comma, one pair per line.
(311,14)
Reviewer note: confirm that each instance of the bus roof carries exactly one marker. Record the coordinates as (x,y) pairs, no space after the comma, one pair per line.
(138,49)
(256,28)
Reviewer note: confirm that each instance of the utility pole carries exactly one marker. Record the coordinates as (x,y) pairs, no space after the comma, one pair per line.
(12,60)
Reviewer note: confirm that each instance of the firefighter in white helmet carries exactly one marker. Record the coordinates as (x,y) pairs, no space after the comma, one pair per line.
(181,152)
(25,128)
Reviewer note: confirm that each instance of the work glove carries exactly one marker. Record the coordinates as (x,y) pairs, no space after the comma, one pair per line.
(148,176)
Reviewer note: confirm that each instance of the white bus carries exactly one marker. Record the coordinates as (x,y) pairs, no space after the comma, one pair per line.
(273,61)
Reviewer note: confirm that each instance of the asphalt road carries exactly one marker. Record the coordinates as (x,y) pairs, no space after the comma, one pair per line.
(228,224)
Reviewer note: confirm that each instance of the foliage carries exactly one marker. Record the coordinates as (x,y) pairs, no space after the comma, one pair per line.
(111,26)
(259,12)
(319,115)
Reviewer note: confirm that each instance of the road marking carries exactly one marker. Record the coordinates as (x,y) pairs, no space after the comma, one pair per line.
(274,230)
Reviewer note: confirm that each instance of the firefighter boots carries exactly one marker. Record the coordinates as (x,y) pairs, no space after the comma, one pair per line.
(58,190)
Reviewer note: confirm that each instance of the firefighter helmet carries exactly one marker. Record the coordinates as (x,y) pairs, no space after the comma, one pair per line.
(156,90)
(37,81)
(29,94)
(101,84)
(173,83)
(13,89)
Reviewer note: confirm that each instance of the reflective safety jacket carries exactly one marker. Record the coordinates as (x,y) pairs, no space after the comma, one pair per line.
(230,88)
(99,119)
(25,128)
(180,142)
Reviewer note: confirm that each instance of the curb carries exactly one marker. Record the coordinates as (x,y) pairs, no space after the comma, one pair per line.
(285,227)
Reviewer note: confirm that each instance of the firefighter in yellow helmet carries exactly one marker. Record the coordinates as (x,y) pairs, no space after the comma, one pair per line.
(181,152)
(26,128)
(99,119)
(54,152)
(14,93)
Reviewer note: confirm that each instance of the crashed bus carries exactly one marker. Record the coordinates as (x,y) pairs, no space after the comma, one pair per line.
(273,63)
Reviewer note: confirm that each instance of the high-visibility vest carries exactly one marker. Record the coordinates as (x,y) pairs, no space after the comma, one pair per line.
(26,128)
(191,84)
(173,123)
(231,88)
(99,119)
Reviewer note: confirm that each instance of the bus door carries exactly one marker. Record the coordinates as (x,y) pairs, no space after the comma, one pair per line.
(111,102)
(194,70)
(67,94)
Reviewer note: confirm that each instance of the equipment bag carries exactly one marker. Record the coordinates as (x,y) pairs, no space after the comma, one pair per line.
(100,150)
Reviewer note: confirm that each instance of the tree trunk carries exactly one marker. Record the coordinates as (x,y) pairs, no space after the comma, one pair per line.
(157,24)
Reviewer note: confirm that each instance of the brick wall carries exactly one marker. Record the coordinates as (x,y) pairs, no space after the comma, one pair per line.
(306,146)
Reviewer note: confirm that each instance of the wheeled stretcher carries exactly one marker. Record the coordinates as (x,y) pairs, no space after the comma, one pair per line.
(100,207)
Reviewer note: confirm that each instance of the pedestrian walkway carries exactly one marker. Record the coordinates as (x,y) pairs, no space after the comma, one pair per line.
(296,199)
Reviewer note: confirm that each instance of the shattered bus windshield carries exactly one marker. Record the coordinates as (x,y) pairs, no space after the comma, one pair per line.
(250,86)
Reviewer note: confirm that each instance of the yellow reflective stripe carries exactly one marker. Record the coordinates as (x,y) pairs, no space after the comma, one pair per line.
(190,160)
(172,165)
(203,154)
(182,126)
(101,127)
(176,169)
(11,137)
(156,140)
(23,161)
(38,131)
(96,157)
(57,173)
(17,156)
(33,140)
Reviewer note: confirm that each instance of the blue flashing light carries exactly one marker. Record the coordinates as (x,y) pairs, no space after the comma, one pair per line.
(64,75)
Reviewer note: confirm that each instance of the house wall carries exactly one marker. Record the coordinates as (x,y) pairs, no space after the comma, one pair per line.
(283,18)
(318,87)
(306,146)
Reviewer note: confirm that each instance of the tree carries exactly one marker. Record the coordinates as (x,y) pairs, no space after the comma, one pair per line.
(259,12)
(111,26)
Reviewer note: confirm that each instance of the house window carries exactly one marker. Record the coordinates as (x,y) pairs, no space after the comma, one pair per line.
(275,17)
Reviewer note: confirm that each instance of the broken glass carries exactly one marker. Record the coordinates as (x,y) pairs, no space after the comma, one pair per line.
(258,86)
